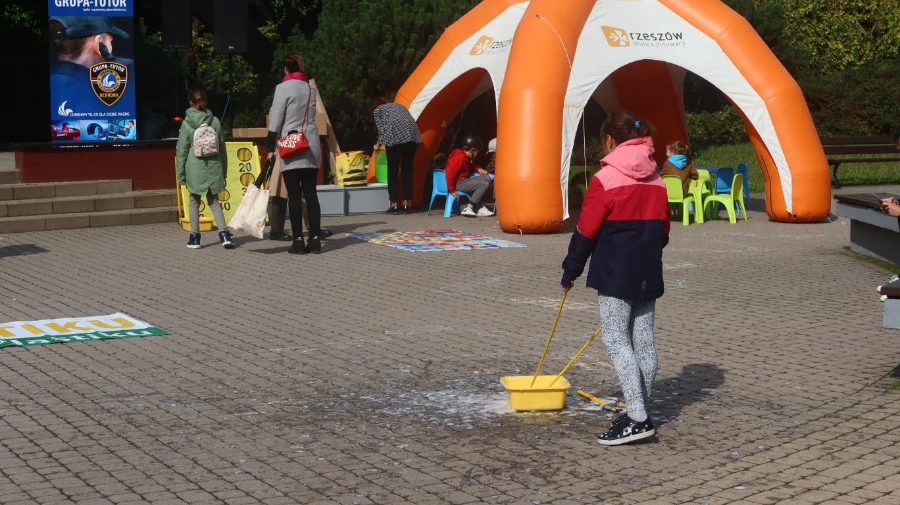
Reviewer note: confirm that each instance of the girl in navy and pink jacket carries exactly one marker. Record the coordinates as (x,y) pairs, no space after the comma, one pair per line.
(623,229)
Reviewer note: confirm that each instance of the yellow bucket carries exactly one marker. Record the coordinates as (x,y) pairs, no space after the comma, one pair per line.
(523,397)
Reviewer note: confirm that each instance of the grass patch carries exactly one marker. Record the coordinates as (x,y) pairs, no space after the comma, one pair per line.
(884,265)
(851,174)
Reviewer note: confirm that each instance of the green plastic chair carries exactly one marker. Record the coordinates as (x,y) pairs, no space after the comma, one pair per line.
(701,188)
(676,197)
(577,176)
(728,200)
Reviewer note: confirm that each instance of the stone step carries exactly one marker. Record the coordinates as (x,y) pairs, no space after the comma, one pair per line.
(93,203)
(8,177)
(62,189)
(127,217)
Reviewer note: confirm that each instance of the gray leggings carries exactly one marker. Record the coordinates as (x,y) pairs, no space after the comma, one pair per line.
(214,205)
(628,337)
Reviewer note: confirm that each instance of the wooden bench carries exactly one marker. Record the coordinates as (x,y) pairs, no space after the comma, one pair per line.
(836,146)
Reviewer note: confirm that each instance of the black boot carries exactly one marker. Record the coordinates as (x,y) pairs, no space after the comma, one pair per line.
(225,239)
(280,236)
(315,245)
(297,247)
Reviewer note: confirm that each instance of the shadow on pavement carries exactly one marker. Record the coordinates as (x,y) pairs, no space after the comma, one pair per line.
(12,251)
(696,383)
(334,243)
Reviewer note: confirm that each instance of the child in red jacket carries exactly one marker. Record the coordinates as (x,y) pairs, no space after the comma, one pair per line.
(623,229)
(460,171)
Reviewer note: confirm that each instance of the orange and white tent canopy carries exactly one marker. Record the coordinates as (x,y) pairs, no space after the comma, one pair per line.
(545,63)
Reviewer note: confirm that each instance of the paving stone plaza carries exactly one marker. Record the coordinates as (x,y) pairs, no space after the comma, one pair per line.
(370,375)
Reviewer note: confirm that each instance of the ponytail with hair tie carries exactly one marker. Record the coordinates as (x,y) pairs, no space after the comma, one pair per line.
(623,125)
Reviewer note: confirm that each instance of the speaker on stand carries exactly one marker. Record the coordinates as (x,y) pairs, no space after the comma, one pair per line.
(177,34)
(231,34)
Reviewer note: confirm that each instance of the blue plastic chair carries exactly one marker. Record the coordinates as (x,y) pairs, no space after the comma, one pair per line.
(439,188)
(724,180)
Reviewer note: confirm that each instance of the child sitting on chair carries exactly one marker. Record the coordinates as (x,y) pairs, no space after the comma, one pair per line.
(460,173)
(680,164)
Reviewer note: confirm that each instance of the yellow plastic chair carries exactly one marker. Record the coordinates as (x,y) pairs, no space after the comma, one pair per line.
(728,200)
(675,191)
(701,188)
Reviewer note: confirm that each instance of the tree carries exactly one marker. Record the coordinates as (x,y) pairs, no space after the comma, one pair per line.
(281,16)
(830,36)
(858,101)
(25,50)
(366,49)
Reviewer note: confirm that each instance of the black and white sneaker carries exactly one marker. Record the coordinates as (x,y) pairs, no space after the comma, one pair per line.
(625,430)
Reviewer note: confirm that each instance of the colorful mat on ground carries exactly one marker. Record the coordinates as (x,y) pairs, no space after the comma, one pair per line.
(435,240)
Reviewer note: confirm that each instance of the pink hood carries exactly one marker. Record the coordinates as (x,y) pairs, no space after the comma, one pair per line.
(634,159)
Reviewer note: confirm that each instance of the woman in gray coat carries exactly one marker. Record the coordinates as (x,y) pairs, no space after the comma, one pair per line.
(294,110)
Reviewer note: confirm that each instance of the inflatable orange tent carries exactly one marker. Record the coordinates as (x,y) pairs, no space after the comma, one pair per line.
(545,63)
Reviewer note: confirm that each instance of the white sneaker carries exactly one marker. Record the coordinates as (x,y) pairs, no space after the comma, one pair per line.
(469,212)
(485,212)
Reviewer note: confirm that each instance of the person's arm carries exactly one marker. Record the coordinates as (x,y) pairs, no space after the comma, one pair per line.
(223,150)
(378,116)
(313,106)
(892,209)
(181,153)
(665,169)
(593,213)
(668,226)
(455,165)
(276,120)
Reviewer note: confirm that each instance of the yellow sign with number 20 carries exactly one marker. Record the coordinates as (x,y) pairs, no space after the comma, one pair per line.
(243,169)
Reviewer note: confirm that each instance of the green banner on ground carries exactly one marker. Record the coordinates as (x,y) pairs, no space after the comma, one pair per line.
(75,329)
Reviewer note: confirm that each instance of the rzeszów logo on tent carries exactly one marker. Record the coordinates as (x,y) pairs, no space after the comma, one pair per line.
(487,45)
(109,80)
(616,37)
(619,37)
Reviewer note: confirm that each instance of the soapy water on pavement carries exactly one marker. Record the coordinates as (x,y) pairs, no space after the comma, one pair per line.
(465,407)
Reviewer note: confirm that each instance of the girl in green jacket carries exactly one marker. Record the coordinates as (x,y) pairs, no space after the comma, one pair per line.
(203,167)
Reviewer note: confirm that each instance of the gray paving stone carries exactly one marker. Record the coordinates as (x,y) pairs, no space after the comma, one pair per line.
(371,375)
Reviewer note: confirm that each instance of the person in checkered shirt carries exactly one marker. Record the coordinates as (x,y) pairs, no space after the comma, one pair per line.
(400,136)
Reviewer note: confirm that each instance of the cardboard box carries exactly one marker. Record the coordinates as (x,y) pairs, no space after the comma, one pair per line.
(321,123)
(250,133)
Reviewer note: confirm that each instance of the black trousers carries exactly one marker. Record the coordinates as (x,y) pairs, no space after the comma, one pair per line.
(301,183)
(400,162)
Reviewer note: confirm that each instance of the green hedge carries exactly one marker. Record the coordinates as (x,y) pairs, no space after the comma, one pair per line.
(707,129)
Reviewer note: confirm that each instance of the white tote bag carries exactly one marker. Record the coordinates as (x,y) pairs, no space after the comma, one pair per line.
(250,216)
